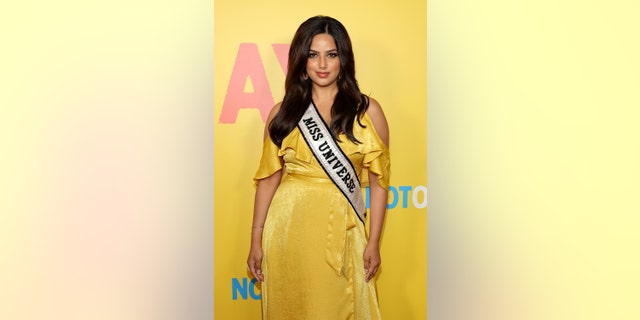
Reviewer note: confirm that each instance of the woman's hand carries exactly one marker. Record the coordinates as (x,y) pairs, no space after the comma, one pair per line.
(254,263)
(371,260)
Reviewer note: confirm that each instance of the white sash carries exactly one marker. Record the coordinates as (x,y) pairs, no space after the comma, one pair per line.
(334,162)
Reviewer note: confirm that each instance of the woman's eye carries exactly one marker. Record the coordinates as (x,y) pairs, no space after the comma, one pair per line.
(332,55)
(313,55)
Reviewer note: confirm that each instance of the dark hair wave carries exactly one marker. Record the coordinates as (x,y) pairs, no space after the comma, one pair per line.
(349,101)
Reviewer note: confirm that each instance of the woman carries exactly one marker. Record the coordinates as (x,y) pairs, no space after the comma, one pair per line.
(308,242)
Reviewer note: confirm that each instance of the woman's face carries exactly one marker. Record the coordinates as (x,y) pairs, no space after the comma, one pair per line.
(323,62)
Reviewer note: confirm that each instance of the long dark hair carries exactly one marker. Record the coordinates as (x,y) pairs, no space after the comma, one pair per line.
(349,101)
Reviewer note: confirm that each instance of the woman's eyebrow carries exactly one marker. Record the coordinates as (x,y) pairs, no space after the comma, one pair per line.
(315,51)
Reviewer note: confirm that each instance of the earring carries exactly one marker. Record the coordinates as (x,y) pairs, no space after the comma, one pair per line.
(305,76)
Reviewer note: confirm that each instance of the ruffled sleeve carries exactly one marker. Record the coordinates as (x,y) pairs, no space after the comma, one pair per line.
(376,155)
(270,162)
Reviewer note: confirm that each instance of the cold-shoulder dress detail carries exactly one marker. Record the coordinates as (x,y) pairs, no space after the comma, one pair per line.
(313,241)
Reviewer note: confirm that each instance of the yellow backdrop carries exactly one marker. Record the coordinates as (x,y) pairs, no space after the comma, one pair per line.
(251,40)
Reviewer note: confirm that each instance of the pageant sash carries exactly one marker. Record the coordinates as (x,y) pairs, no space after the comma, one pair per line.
(332,159)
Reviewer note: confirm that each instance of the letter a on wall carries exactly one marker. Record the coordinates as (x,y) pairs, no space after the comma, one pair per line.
(247,67)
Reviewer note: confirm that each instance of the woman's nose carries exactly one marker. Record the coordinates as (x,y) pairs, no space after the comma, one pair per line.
(323,62)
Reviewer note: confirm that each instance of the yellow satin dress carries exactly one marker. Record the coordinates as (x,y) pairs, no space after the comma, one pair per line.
(313,242)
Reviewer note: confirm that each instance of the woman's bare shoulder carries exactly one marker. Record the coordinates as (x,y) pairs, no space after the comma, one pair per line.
(272,114)
(379,120)
(274,110)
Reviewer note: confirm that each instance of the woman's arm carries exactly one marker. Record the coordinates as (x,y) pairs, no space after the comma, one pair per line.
(265,190)
(378,197)
(264,193)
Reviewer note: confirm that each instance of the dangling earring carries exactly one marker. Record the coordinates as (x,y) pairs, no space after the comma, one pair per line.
(305,76)
(340,76)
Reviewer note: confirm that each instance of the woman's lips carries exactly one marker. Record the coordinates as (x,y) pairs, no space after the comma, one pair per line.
(322,74)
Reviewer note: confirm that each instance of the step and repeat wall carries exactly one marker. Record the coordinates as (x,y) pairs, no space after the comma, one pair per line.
(251,42)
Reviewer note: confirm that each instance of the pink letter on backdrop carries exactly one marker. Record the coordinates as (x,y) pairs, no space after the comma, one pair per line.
(248,64)
(282,52)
